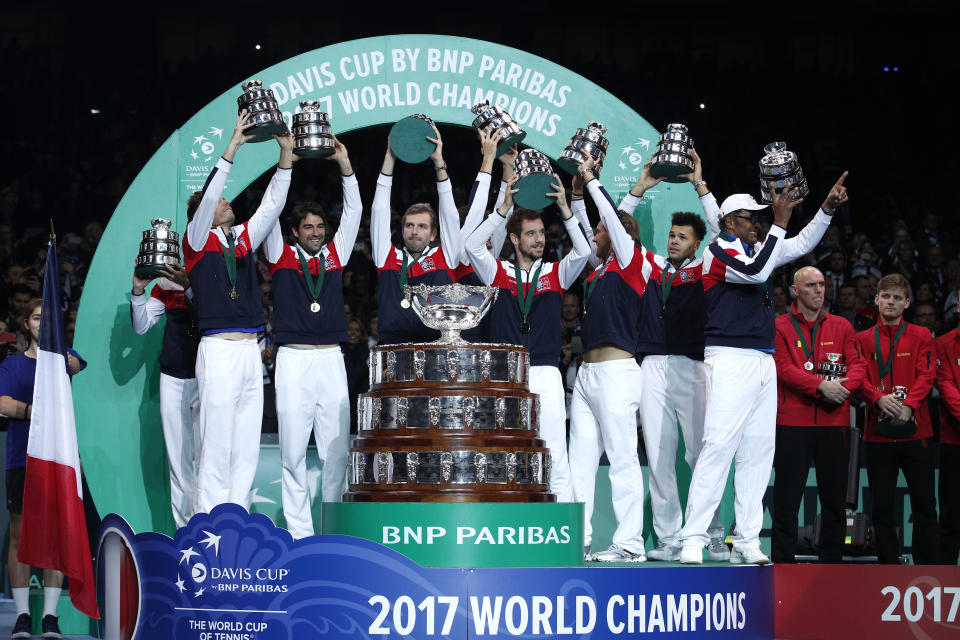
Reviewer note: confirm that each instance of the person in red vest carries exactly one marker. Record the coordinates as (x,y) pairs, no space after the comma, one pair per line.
(948,382)
(898,431)
(813,415)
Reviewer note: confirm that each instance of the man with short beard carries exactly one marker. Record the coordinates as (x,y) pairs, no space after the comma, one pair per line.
(417,261)
(527,309)
(741,410)
(948,382)
(309,324)
(220,263)
(813,416)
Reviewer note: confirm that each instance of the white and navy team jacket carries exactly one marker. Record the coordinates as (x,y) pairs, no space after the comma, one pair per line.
(293,321)
(436,265)
(735,280)
(205,248)
(178,352)
(543,339)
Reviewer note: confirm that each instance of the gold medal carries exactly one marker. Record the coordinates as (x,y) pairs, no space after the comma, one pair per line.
(405,303)
(233,293)
(315,307)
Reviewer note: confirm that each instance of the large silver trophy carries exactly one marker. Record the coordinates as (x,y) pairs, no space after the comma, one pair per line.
(780,169)
(672,158)
(534,177)
(589,141)
(160,246)
(312,135)
(408,138)
(451,308)
(505,130)
(832,368)
(265,115)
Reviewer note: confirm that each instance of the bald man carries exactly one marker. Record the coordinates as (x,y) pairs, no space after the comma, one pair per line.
(813,415)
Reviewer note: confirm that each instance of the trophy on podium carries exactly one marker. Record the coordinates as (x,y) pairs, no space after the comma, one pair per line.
(535,175)
(505,130)
(312,135)
(408,138)
(672,159)
(265,115)
(160,246)
(832,368)
(780,169)
(589,141)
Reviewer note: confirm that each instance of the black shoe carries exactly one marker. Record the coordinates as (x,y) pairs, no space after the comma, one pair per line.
(50,627)
(22,628)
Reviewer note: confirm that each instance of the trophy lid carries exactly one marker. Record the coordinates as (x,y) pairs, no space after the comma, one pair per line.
(676,126)
(480,107)
(250,85)
(310,105)
(596,126)
(775,147)
(160,223)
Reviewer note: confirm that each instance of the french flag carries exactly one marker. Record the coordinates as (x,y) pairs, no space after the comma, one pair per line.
(53,532)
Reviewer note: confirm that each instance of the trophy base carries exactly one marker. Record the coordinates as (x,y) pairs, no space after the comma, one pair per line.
(532,191)
(313,153)
(670,171)
(264,132)
(451,495)
(148,271)
(505,145)
(408,139)
(570,165)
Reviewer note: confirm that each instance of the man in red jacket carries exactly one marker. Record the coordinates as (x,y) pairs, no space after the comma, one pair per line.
(900,374)
(948,382)
(813,415)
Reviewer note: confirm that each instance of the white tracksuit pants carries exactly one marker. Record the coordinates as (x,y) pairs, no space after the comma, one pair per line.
(231,413)
(674,391)
(311,396)
(179,414)
(603,417)
(547,383)
(740,424)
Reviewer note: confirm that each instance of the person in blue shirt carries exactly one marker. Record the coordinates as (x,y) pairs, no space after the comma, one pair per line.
(17,374)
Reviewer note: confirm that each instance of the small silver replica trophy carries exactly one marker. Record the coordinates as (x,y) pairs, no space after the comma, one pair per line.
(672,159)
(312,135)
(505,130)
(589,141)
(534,177)
(451,308)
(780,169)
(265,115)
(832,368)
(160,246)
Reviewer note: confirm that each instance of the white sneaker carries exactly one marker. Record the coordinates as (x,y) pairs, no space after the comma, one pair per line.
(587,556)
(665,552)
(691,553)
(616,553)
(717,550)
(748,556)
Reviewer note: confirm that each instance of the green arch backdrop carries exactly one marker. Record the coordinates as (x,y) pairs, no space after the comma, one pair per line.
(360,83)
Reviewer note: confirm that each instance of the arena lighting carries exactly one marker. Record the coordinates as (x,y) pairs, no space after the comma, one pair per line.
(703,106)
(257,47)
(886,68)
(94,112)
(896,68)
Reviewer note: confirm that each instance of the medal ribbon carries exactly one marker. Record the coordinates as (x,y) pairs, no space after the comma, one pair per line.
(313,286)
(403,273)
(885,367)
(590,284)
(667,285)
(231,258)
(807,349)
(525,299)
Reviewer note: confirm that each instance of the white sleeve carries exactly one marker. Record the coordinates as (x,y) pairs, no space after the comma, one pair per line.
(270,207)
(145,312)
(346,235)
(571,266)
(711,211)
(629,203)
(380,221)
(449,224)
(743,270)
(807,240)
(579,209)
(500,233)
(475,210)
(482,261)
(198,229)
(622,242)
(273,245)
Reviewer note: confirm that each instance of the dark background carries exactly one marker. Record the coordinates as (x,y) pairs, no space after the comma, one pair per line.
(810,73)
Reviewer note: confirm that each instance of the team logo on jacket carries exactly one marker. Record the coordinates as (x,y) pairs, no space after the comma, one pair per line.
(427,264)
(686,276)
(543,284)
(329,264)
